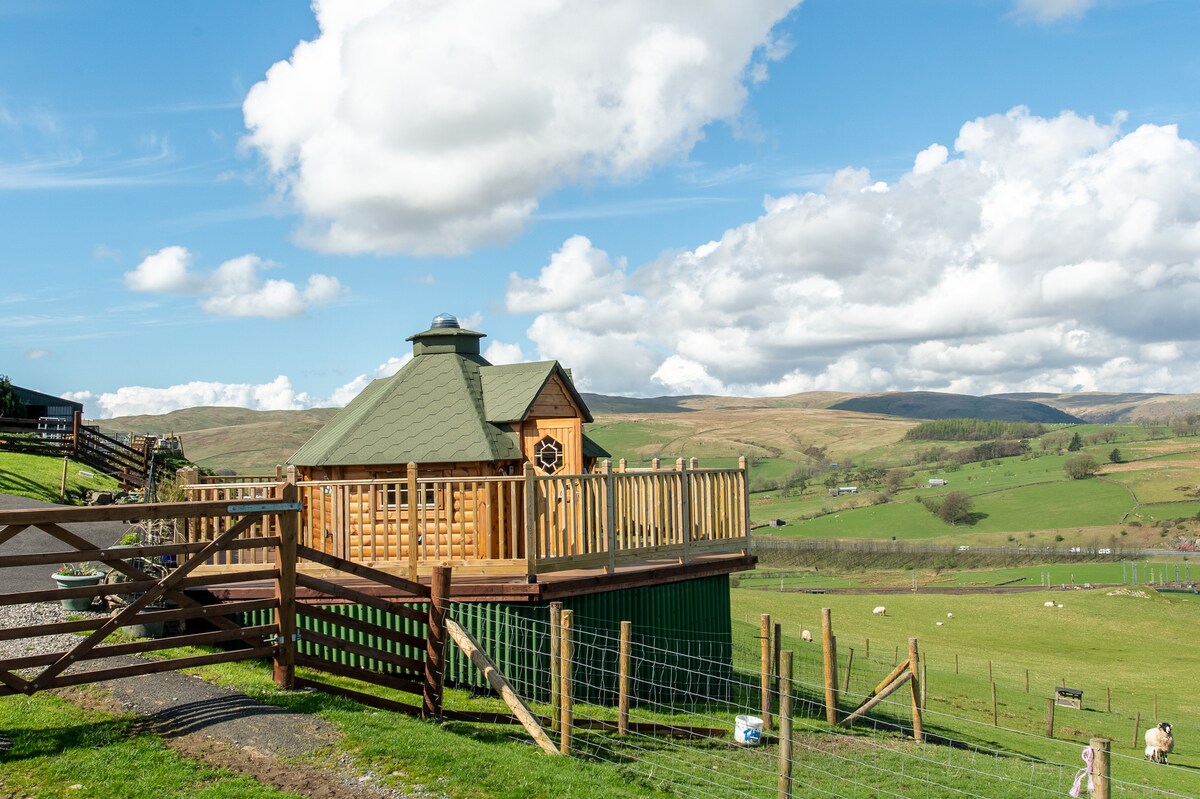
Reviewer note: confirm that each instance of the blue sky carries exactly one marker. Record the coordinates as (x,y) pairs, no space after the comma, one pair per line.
(252,203)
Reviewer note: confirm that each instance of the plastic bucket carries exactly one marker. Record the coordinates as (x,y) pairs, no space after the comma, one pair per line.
(748,730)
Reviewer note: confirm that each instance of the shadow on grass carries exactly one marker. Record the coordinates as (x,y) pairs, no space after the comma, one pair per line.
(37,742)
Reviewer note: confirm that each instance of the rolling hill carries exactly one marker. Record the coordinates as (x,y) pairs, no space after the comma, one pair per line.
(934,405)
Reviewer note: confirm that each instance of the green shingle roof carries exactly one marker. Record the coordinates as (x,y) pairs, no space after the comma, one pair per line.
(446,405)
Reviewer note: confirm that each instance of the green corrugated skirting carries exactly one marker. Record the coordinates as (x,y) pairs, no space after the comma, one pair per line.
(681,648)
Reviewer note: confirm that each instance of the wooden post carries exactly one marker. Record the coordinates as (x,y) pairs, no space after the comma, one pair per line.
(435,644)
(62,491)
(530,525)
(914,662)
(1108,700)
(623,679)
(849,666)
(567,713)
(776,651)
(830,653)
(76,423)
(924,683)
(867,655)
(785,725)
(744,475)
(610,515)
(870,704)
(1137,727)
(1050,718)
(995,714)
(764,634)
(896,655)
(1026,680)
(284,670)
(685,515)
(471,648)
(990,672)
(412,512)
(555,662)
(1100,767)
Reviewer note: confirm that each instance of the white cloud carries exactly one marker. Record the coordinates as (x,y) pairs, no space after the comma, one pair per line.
(1043,254)
(1052,10)
(435,127)
(344,393)
(500,353)
(36,354)
(277,395)
(235,288)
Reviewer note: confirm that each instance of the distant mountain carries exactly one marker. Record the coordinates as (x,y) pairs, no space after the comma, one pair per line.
(1111,408)
(230,438)
(935,405)
(600,403)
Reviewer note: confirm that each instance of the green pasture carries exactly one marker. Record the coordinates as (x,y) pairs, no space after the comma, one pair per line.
(39,477)
(1170,478)
(1098,643)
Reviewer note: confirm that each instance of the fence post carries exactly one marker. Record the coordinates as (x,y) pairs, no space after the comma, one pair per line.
(567,712)
(1137,726)
(914,667)
(776,651)
(995,714)
(785,724)
(610,515)
(76,423)
(849,666)
(1049,718)
(62,491)
(830,652)
(764,635)
(1100,767)
(623,676)
(555,662)
(413,505)
(284,670)
(744,473)
(435,643)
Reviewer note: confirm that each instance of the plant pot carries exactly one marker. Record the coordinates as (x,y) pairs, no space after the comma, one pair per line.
(74,581)
(153,629)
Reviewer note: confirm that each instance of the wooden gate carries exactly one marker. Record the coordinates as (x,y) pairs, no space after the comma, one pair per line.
(146,592)
(241,542)
(334,636)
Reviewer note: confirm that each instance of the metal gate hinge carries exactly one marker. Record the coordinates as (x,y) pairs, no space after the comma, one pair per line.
(276,640)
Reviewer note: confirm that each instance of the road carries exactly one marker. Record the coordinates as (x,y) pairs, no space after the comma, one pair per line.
(30,541)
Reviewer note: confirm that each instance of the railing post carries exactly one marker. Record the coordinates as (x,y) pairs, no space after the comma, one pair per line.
(610,515)
(744,497)
(413,505)
(685,494)
(765,677)
(284,670)
(531,554)
(76,423)
(435,642)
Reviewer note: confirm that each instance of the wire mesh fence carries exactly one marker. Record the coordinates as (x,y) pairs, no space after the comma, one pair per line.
(681,731)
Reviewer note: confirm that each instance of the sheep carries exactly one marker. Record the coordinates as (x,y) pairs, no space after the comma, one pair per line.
(806,635)
(1159,743)
(949,615)
(939,623)
(1049,603)
(880,611)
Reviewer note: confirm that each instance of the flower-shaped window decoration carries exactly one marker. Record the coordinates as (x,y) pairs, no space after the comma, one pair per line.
(548,455)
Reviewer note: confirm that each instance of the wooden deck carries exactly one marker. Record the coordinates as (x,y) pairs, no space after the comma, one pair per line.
(515,588)
(524,527)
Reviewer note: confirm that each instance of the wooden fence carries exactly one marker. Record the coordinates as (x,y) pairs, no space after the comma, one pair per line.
(130,466)
(530,524)
(154,598)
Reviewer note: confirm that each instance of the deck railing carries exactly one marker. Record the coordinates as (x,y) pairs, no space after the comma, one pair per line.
(528,523)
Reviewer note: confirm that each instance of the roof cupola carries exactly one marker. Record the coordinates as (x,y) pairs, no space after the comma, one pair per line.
(444,336)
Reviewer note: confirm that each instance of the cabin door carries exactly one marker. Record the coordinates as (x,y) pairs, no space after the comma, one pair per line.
(553,446)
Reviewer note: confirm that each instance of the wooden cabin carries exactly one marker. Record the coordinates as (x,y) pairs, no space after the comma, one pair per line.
(456,462)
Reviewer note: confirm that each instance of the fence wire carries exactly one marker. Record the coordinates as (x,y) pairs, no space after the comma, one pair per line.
(693,694)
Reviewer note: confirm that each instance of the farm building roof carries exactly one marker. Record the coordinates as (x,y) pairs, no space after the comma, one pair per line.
(448,404)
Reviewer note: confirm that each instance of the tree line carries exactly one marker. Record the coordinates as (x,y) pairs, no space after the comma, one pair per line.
(973,430)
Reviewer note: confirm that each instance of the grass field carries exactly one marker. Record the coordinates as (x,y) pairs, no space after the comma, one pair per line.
(1095,642)
(39,477)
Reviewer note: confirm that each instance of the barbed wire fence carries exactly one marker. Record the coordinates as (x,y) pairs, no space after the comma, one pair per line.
(687,695)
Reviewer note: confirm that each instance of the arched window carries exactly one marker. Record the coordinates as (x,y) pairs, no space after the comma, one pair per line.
(548,455)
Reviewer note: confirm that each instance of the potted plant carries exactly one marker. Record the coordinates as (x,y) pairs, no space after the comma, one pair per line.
(73,575)
(137,537)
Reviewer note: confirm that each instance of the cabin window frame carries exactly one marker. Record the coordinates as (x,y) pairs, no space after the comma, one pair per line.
(549,443)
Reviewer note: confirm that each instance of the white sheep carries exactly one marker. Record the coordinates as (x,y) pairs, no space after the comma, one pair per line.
(1159,743)
(1059,605)
(880,611)
(1048,603)
(939,623)
(806,635)
(949,615)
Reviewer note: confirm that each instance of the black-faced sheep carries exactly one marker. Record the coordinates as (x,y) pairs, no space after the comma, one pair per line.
(1159,743)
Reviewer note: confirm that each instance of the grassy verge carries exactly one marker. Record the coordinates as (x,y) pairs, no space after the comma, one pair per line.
(39,477)
(60,750)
